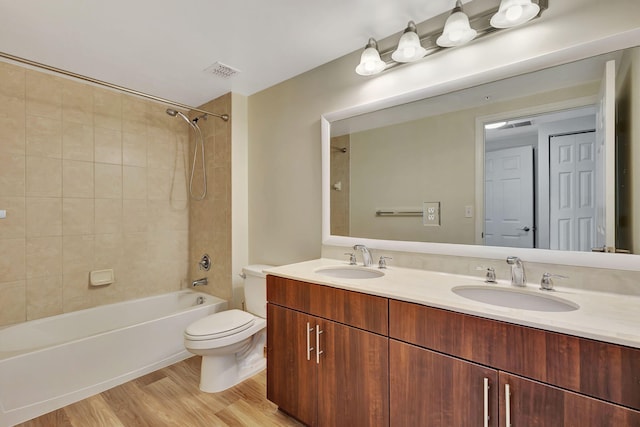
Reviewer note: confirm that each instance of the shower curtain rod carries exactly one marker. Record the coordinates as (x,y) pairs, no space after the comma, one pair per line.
(224,117)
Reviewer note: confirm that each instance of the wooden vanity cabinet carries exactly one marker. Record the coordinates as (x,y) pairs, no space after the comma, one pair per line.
(552,378)
(338,376)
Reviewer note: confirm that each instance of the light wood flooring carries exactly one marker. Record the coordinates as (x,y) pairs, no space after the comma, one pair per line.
(170,397)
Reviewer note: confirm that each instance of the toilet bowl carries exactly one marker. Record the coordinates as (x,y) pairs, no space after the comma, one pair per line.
(232,342)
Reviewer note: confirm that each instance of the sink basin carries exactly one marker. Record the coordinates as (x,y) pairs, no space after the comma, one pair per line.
(515,298)
(344,272)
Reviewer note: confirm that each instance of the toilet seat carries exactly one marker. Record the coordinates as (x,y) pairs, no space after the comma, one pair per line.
(220,325)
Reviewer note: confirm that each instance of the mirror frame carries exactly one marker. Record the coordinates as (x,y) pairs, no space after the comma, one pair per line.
(581,259)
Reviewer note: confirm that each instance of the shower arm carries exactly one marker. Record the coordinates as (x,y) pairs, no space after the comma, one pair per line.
(5,55)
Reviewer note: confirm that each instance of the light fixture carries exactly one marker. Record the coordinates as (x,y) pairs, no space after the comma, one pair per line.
(457,30)
(496,125)
(370,62)
(514,12)
(409,48)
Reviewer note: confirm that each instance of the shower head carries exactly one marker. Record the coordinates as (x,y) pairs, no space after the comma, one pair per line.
(174,113)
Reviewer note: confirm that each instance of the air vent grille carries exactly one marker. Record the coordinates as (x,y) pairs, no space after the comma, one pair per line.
(222,70)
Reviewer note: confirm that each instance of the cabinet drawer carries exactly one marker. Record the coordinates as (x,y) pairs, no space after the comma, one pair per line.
(359,310)
(607,371)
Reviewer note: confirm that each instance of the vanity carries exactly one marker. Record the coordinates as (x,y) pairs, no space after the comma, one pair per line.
(347,347)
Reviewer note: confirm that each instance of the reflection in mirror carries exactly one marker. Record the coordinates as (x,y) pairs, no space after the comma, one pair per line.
(387,166)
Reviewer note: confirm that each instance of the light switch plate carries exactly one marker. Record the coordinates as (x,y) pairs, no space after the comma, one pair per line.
(468,211)
(431,213)
(3,213)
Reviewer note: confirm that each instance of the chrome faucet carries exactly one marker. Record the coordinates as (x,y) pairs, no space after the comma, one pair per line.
(366,255)
(200,282)
(518,277)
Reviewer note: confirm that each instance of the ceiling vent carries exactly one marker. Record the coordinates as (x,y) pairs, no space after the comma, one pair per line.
(221,70)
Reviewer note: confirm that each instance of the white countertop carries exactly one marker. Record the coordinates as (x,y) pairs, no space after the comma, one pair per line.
(601,316)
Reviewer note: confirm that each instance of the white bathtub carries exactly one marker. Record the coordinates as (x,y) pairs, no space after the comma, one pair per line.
(48,363)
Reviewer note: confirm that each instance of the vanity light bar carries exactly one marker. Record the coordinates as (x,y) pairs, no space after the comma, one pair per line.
(480,23)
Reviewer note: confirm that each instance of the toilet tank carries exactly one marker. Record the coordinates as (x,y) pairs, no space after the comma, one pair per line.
(255,289)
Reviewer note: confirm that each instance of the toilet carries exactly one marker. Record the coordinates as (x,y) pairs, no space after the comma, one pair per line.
(232,342)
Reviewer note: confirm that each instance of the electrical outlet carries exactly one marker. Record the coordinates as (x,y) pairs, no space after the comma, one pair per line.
(431,213)
(468,211)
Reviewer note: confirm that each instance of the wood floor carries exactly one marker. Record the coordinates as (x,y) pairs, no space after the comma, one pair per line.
(170,397)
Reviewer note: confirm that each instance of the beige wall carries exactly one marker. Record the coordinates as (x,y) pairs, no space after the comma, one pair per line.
(284,130)
(90,179)
(210,218)
(340,162)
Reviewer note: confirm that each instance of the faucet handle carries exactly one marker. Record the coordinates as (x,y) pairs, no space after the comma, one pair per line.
(491,274)
(352,258)
(382,263)
(546,284)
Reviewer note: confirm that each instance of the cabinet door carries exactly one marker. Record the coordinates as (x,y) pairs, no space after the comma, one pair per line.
(291,378)
(353,377)
(431,389)
(533,404)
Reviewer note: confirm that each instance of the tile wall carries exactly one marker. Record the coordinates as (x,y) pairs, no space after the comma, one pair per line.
(210,219)
(89,179)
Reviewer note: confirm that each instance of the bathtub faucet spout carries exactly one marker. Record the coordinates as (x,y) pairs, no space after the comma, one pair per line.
(200,282)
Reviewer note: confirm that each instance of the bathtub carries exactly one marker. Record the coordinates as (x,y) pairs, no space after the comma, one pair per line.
(48,363)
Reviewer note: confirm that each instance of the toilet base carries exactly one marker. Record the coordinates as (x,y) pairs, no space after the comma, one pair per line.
(219,373)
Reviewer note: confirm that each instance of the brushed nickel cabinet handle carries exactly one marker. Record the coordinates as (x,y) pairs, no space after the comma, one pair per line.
(309,348)
(318,351)
(507,406)
(486,402)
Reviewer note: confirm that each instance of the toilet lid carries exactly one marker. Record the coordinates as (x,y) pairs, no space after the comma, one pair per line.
(220,325)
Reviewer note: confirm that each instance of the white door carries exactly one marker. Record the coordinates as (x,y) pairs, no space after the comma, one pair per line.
(509,197)
(572,194)
(605,159)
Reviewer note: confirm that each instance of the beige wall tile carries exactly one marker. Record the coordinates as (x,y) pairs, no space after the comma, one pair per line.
(44,256)
(14,225)
(12,80)
(77,179)
(12,178)
(44,95)
(134,149)
(134,182)
(134,216)
(44,177)
(12,134)
(135,110)
(77,255)
(108,252)
(108,181)
(77,216)
(107,109)
(44,297)
(44,216)
(76,294)
(77,141)
(44,137)
(77,103)
(12,260)
(12,303)
(161,149)
(108,216)
(108,146)
(158,183)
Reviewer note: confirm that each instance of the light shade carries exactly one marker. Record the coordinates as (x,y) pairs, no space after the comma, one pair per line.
(514,12)
(370,62)
(457,30)
(409,48)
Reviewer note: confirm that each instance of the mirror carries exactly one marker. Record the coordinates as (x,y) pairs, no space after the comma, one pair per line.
(415,172)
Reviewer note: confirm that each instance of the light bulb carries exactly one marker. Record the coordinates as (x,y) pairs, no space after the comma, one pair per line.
(455,35)
(514,12)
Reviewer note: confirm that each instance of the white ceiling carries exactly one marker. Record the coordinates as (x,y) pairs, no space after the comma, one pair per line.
(162,47)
